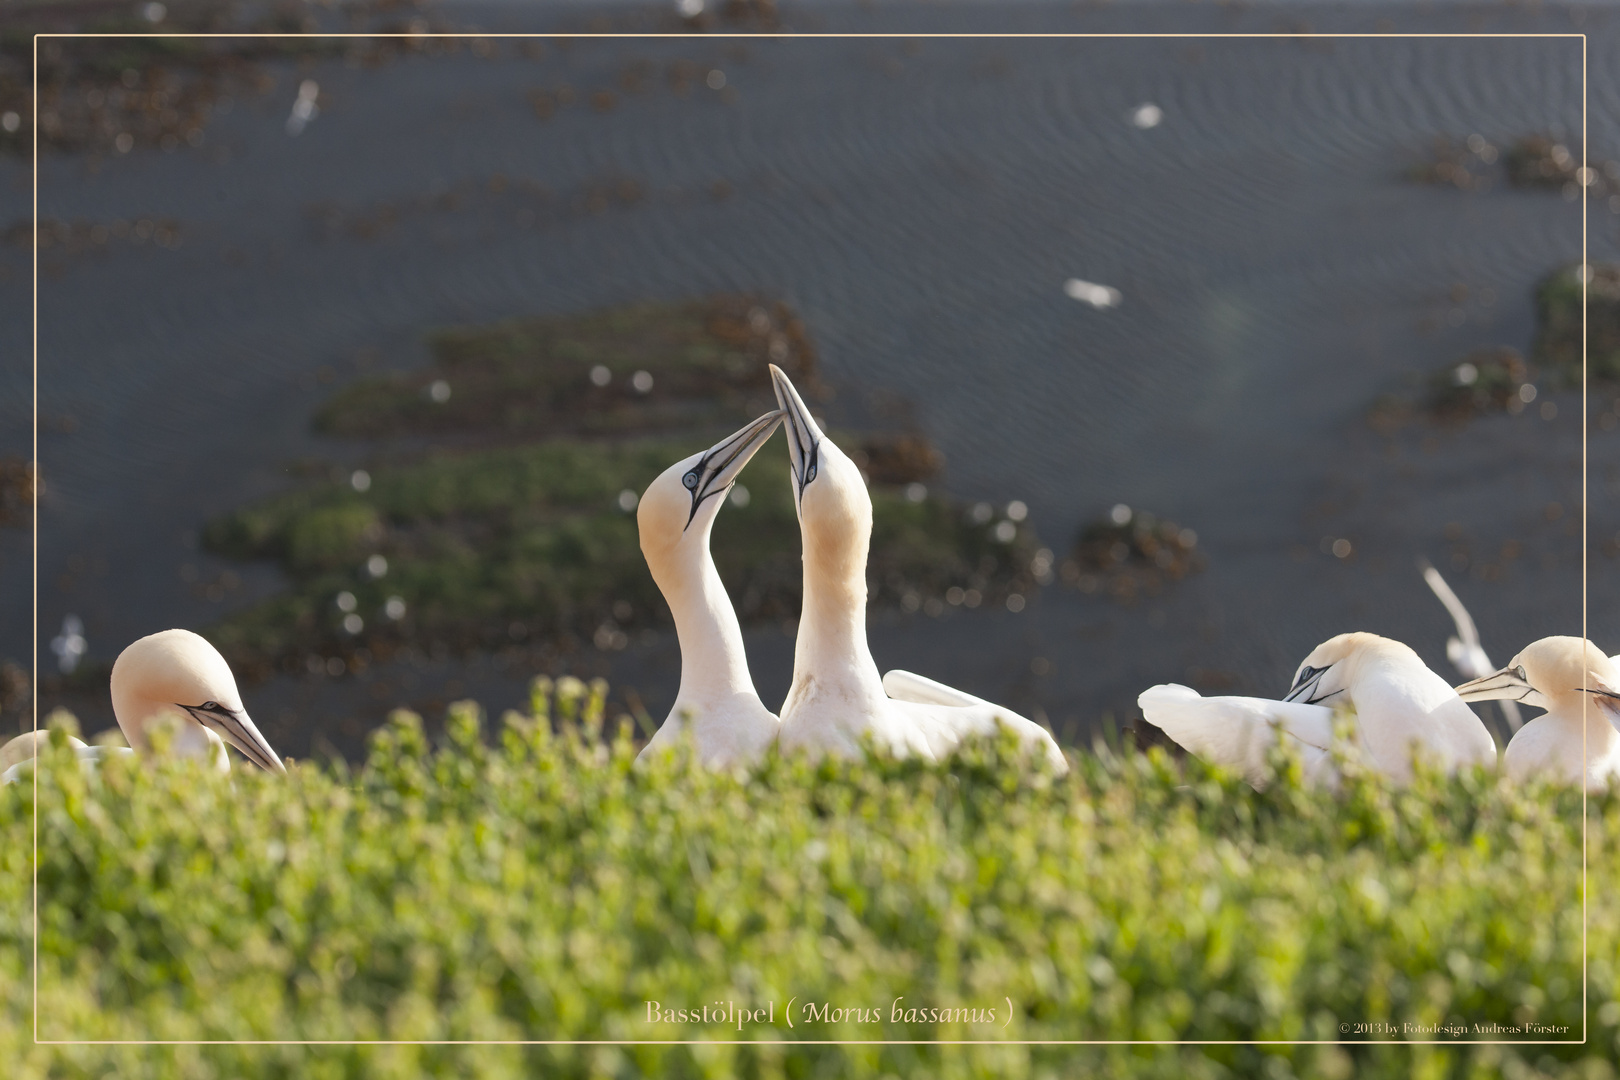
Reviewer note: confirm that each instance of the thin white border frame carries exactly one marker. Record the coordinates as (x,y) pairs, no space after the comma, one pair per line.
(1585,277)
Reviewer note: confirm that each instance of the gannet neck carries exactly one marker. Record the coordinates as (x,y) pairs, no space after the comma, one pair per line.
(714,664)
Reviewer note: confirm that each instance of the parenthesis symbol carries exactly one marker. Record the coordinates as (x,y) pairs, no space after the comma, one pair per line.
(1009,1012)
(789,1011)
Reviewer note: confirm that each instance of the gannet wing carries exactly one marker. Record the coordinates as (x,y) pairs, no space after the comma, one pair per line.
(1466,630)
(1238,732)
(945,726)
(1464,651)
(905,686)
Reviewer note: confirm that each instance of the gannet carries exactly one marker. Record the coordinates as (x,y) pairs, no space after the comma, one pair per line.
(676,514)
(177,676)
(1395,702)
(1558,674)
(837,696)
(1464,651)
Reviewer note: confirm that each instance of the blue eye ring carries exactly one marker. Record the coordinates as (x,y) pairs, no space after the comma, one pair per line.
(690,480)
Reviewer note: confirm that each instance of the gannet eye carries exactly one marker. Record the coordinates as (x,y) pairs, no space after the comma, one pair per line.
(210,706)
(690,480)
(1518,673)
(810,473)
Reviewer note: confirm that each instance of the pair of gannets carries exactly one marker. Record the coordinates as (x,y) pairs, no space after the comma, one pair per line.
(1399,707)
(837,697)
(173,676)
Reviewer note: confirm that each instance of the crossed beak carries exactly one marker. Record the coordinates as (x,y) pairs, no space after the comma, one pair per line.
(237,729)
(804,437)
(717,469)
(1504,685)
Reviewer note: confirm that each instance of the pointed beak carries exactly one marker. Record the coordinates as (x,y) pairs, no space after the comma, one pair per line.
(717,469)
(239,730)
(1504,685)
(804,437)
(1309,681)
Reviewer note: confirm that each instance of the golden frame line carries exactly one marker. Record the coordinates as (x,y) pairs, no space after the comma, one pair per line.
(1585,277)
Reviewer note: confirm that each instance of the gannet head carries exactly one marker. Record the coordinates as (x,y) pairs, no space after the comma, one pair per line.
(1552,674)
(1327,675)
(678,509)
(835,511)
(177,673)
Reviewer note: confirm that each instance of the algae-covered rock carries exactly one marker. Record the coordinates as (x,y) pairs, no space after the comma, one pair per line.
(1484,381)
(1130,552)
(1558,318)
(629,370)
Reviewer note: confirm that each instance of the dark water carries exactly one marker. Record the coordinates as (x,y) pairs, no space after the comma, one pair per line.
(921,204)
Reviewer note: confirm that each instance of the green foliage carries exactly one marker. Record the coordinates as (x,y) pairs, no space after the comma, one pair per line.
(527,884)
(533,535)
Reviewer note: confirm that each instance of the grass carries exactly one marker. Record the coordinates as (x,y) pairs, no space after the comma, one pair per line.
(526,884)
(530,542)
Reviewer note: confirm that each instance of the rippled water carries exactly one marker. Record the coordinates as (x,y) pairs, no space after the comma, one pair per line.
(921,204)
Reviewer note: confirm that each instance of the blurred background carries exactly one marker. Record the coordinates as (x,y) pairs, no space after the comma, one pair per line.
(1167,358)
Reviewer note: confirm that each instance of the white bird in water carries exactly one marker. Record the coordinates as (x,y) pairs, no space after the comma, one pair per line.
(1397,704)
(1565,676)
(1100,297)
(177,676)
(1464,651)
(837,696)
(675,517)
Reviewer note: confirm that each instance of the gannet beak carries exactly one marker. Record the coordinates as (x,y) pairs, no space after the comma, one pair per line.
(804,437)
(1509,684)
(717,469)
(238,730)
(1310,679)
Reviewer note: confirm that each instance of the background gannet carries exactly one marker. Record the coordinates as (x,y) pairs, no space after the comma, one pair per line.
(1556,674)
(676,514)
(837,696)
(1397,705)
(178,674)
(155,680)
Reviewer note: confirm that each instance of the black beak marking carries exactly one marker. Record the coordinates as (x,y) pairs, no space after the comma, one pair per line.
(699,480)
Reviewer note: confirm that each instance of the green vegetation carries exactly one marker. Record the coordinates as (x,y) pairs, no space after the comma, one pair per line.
(1558,317)
(542,887)
(517,540)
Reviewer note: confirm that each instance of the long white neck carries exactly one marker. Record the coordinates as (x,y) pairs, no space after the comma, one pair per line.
(832,645)
(713,662)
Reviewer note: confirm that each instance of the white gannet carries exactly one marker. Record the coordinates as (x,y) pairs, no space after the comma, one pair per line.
(1398,705)
(675,517)
(18,754)
(1464,651)
(178,674)
(837,696)
(1556,674)
(160,676)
